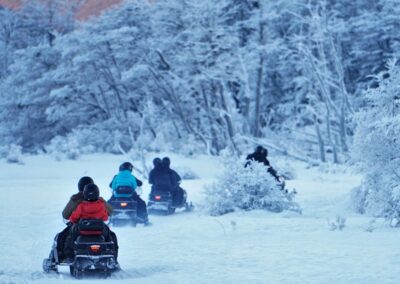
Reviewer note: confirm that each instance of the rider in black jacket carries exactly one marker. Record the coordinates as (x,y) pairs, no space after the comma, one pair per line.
(260,155)
(163,178)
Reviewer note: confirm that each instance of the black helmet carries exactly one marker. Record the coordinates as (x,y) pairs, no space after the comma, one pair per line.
(259,149)
(83,182)
(91,192)
(126,166)
(166,162)
(157,162)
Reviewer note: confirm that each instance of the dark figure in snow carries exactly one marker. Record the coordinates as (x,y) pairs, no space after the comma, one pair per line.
(92,207)
(260,155)
(163,178)
(125,179)
(155,173)
(72,204)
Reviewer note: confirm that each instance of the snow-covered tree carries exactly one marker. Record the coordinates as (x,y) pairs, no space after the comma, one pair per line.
(215,73)
(377,146)
(102,74)
(25,97)
(8,24)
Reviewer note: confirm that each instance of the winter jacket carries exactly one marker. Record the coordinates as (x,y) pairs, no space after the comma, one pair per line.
(259,157)
(164,178)
(126,179)
(74,202)
(90,210)
(138,181)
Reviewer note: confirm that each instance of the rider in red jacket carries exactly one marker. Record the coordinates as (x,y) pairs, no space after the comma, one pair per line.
(92,207)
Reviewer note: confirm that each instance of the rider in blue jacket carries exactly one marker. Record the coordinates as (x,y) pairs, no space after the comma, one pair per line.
(124,184)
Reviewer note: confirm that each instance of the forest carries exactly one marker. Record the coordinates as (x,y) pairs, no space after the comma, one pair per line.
(317,81)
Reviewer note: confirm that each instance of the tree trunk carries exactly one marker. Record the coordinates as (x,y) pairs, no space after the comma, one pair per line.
(229,125)
(256,124)
(214,139)
(260,73)
(320,141)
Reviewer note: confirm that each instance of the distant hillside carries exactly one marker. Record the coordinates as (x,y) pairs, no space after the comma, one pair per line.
(89,7)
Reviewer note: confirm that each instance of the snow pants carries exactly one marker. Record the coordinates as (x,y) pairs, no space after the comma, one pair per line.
(141,208)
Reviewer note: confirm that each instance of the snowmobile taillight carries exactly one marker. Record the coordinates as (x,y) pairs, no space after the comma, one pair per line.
(158,197)
(124,204)
(95,248)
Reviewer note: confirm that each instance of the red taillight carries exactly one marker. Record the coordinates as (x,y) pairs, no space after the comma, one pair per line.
(157,197)
(95,248)
(124,204)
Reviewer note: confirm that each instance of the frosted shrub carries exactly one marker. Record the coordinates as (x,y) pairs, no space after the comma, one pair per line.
(64,147)
(377,147)
(247,189)
(338,224)
(14,154)
(285,169)
(186,173)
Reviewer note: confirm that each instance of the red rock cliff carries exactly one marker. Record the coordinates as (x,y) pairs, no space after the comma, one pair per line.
(88,8)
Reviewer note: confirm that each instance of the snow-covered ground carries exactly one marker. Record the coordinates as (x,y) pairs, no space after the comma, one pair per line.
(242,247)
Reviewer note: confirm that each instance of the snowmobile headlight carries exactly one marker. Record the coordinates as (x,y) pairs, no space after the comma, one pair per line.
(124,204)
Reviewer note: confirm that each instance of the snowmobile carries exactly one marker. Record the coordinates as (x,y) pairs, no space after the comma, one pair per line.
(124,208)
(93,254)
(162,202)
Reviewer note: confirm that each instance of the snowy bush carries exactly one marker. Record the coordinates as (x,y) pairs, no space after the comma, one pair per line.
(12,153)
(64,147)
(338,224)
(285,169)
(377,147)
(247,189)
(186,173)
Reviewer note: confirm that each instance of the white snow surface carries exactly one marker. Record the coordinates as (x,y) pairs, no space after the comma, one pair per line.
(192,247)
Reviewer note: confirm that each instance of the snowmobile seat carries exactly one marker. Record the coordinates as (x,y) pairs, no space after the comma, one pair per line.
(124,190)
(91,225)
(90,239)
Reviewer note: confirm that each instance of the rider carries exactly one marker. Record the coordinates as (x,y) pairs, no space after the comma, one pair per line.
(260,155)
(78,198)
(126,180)
(72,204)
(163,178)
(155,172)
(60,239)
(92,207)
(178,192)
